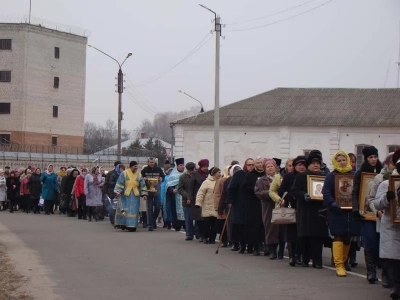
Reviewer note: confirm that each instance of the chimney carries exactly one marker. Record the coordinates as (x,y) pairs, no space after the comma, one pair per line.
(143,135)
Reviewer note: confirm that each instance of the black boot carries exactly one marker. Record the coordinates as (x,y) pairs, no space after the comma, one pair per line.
(144,219)
(242,248)
(235,247)
(371,266)
(272,251)
(292,260)
(353,255)
(385,278)
(281,250)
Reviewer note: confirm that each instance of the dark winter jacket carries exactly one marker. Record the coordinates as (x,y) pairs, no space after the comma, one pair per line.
(254,227)
(286,186)
(237,198)
(340,223)
(184,188)
(197,179)
(309,224)
(35,186)
(155,172)
(10,182)
(365,168)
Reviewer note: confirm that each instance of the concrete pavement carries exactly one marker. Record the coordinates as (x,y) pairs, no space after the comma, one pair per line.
(74,259)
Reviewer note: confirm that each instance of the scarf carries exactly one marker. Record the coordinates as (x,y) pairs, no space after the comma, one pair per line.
(367,168)
(117,170)
(47,171)
(336,165)
(97,179)
(234,167)
(62,173)
(203,175)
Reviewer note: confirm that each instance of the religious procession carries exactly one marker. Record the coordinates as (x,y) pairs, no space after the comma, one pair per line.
(257,208)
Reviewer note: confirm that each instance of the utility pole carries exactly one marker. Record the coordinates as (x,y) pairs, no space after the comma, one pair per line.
(218,32)
(30,9)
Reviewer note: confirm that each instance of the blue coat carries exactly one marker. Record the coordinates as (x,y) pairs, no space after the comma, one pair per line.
(340,224)
(50,186)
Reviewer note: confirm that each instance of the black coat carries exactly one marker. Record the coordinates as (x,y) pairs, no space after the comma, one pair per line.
(286,186)
(35,186)
(340,224)
(237,198)
(309,224)
(254,227)
(10,182)
(197,179)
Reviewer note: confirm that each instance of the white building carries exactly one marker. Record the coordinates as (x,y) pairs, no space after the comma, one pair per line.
(287,122)
(42,86)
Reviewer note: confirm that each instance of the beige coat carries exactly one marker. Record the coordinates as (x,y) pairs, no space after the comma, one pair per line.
(205,198)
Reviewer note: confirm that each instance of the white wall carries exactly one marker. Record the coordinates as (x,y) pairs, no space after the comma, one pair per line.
(196,142)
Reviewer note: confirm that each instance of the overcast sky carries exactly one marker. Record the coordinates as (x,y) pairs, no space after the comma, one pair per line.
(343,43)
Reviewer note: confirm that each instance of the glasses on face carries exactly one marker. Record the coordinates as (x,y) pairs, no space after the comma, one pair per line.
(250,165)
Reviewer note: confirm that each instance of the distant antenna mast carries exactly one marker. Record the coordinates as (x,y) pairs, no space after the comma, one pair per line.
(387,73)
(30,9)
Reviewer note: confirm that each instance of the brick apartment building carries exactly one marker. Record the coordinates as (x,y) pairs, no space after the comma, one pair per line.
(42,87)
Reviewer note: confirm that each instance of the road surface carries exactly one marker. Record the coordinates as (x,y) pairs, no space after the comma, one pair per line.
(66,258)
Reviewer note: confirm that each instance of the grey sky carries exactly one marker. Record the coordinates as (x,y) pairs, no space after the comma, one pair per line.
(341,44)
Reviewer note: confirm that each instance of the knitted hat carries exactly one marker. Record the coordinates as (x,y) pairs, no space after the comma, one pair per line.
(314,156)
(368,151)
(190,166)
(301,159)
(214,170)
(396,157)
(204,163)
(269,161)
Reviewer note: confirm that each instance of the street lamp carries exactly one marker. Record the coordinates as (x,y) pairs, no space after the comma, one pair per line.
(120,91)
(202,109)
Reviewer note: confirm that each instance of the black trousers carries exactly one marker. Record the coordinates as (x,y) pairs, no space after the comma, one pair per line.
(11,203)
(210,228)
(48,206)
(82,206)
(33,204)
(393,270)
(312,247)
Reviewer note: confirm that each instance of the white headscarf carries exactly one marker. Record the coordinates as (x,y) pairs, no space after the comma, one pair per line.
(233,167)
(47,170)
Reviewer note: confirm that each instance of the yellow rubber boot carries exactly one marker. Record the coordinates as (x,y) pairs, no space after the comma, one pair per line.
(337,249)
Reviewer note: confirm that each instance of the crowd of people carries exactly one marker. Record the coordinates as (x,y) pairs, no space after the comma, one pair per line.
(237,203)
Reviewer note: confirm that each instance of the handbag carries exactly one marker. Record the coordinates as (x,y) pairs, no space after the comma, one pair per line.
(283,215)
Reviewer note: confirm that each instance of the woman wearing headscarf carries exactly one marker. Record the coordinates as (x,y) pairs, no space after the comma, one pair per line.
(371,165)
(49,189)
(237,200)
(35,189)
(254,227)
(205,200)
(12,183)
(310,228)
(67,190)
(221,207)
(285,191)
(79,191)
(262,191)
(342,225)
(25,193)
(93,191)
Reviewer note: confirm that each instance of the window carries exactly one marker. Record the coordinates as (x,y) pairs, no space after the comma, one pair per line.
(393,148)
(5,76)
(54,141)
(359,155)
(5,108)
(55,111)
(5,44)
(5,138)
(56,82)
(56,52)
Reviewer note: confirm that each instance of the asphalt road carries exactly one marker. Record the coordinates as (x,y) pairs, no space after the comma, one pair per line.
(66,258)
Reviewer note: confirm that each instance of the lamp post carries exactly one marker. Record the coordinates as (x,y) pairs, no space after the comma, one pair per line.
(202,109)
(120,91)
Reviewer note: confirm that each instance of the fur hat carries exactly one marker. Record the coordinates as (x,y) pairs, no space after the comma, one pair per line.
(278,161)
(301,159)
(368,151)
(396,157)
(204,162)
(314,156)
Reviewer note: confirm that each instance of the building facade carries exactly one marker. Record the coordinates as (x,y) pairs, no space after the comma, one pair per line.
(42,87)
(285,123)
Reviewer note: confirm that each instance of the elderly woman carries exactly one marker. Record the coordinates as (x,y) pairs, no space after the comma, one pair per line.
(311,229)
(49,189)
(342,225)
(2,189)
(285,191)
(262,189)
(93,191)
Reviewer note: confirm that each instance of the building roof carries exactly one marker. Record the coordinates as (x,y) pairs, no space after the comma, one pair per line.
(127,143)
(310,107)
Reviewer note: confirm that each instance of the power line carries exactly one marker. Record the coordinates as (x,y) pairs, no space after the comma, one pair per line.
(198,47)
(279,21)
(140,96)
(270,15)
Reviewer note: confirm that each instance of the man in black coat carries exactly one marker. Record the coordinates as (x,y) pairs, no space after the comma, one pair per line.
(153,199)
